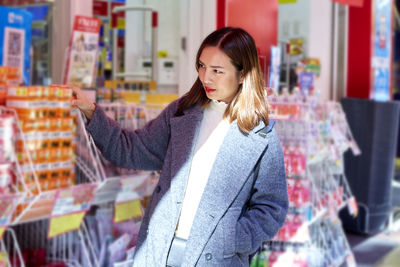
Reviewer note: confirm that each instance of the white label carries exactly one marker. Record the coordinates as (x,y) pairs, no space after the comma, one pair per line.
(352,206)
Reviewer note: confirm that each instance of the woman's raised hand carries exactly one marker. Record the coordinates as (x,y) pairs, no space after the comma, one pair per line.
(80,100)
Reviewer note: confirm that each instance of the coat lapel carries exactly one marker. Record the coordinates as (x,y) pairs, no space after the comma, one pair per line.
(235,160)
(184,130)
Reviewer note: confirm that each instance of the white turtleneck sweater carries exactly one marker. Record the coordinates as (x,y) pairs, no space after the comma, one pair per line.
(212,132)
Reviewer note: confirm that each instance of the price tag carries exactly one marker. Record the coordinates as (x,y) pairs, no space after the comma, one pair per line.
(127,210)
(127,202)
(69,208)
(2,230)
(352,206)
(64,224)
(131,188)
(74,199)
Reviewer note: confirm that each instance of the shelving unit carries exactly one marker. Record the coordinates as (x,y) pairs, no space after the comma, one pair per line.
(314,135)
(28,218)
(31,221)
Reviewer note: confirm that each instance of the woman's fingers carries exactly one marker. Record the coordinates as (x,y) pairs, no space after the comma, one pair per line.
(79,99)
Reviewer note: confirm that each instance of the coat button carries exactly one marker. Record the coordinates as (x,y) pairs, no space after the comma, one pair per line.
(208,256)
(158,189)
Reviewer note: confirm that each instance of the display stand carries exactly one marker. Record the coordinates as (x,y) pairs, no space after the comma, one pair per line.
(314,136)
(28,215)
(38,206)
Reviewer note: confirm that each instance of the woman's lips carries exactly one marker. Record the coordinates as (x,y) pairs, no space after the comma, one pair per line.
(209,90)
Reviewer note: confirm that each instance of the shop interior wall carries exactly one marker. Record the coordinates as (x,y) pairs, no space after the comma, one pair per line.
(320,43)
(312,21)
(197,20)
(138,37)
(260,19)
(135,42)
(294,22)
(182,25)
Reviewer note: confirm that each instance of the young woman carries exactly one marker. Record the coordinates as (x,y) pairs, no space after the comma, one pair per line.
(222,190)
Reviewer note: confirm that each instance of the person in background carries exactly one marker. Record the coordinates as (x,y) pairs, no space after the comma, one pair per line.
(222,190)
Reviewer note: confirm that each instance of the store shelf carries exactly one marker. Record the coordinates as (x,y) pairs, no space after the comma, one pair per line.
(314,136)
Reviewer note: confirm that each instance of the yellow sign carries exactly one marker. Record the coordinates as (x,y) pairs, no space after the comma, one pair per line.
(132,97)
(64,224)
(160,99)
(127,210)
(2,230)
(121,23)
(162,53)
(296,46)
(287,1)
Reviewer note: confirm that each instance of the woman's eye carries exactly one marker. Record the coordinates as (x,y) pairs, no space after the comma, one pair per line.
(218,71)
(201,65)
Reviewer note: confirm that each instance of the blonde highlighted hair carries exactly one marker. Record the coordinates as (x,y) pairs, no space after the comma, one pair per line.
(248,107)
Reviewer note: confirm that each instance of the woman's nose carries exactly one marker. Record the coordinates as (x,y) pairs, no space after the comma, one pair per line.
(208,78)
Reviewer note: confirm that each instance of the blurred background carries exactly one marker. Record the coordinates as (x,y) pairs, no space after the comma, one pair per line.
(332,75)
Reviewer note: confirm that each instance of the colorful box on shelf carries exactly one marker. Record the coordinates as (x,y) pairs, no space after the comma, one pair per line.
(131,85)
(48,128)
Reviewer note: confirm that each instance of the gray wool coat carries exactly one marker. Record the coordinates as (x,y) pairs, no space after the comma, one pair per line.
(234,216)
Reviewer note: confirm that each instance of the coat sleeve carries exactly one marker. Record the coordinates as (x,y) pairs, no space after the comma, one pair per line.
(268,204)
(142,149)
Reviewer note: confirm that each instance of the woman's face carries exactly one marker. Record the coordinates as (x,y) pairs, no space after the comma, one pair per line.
(218,75)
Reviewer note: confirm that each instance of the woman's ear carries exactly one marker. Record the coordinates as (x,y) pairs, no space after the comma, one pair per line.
(241,77)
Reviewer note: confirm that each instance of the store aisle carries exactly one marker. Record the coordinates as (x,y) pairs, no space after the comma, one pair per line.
(381,250)
(392,259)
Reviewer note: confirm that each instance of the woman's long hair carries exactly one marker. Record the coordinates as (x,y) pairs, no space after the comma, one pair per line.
(248,106)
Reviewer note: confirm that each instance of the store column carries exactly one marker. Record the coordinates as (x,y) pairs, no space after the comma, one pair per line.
(258,17)
(373,118)
(63,18)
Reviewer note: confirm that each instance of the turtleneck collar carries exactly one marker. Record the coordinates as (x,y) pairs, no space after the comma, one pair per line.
(217,105)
